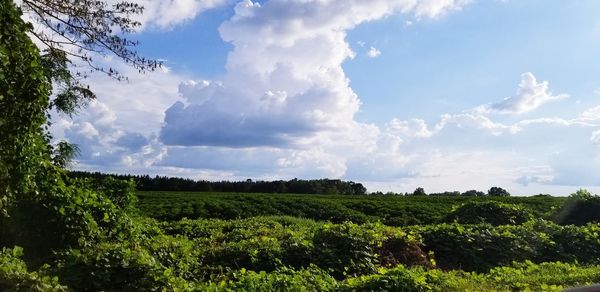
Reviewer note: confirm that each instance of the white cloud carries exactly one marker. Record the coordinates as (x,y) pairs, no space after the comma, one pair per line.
(168,13)
(102,142)
(412,128)
(285,86)
(527,180)
(470,150)
(595,138)
(285,109)
(120,127)
(591,114)
(373,52)
(531,94)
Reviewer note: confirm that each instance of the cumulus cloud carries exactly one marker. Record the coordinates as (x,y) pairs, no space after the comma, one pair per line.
(531,94)
(120,127)
(471,149)
(285,85)
(373,52)
(411,128)
(167,13)
(285,108)
(102,142)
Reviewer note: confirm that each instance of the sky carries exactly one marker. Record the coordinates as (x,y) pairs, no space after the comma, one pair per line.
(396,94)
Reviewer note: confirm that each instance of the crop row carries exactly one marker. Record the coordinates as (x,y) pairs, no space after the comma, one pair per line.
(392,211)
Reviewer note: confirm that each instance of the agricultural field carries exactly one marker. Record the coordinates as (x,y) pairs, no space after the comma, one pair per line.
(389,210)
(266,242)
(175,241)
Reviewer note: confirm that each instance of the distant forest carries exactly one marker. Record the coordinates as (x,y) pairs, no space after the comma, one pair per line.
(296,186)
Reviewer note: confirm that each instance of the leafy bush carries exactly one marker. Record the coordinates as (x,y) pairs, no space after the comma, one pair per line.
(116,267)
(572,243)
(397,279)
(59,216)
(310,279)
(524,276)
(119,192)
(494,213)
(581,208)
(528,276)
(270,243)
(346,249)
(178,254)
(482,247)
(15,277)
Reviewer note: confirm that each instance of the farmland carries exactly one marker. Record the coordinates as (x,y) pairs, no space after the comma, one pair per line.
(180,241)
(390,210)
(227,241)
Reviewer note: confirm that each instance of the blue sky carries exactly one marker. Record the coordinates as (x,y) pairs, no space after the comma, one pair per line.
(396,94)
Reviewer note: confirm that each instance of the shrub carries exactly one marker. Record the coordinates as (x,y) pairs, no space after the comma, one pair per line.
(178,254)
(59,216)
(119,192)
(524,276)
(482,247)
(553,276)
(15,277)
(345,249)
(581,208)
(491,212)
(284,279)
(116,267)
(397,279)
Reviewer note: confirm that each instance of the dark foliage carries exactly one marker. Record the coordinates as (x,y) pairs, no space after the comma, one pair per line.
(494,213)
(473,193)
(295,186)
(581,208)
(390,210)
(497,191)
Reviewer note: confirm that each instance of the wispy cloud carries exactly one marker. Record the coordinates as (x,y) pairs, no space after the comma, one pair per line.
(373,52)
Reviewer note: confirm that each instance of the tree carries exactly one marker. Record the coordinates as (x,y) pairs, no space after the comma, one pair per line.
(71,33)
(419,192)
(81,29)
(40,208)
(24,92)
(473,193)
(498,192)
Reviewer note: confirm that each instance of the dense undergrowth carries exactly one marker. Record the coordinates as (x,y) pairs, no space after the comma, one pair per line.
(292,254)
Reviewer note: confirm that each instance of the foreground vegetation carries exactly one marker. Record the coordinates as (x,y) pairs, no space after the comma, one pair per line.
(288,253)
(499,244)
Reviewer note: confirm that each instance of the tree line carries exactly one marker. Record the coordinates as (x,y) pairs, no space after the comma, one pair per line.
(493,192)
(298,186)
